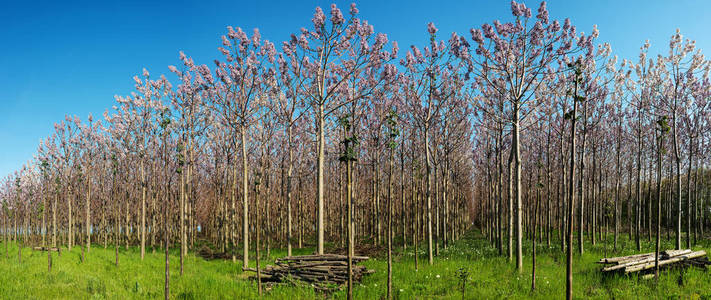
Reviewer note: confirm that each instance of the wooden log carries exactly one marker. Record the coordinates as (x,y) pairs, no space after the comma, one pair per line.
(316,269)
(318,263)
(610,260)
(628,264)
(322,257)
(648,259)
(46,249)
(646,266)
(673,253)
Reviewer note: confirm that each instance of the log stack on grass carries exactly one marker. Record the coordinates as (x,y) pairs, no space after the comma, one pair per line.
(644,263)
(56,249)
(321,271)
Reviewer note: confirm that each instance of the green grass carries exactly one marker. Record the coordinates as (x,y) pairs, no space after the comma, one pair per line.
(490,276)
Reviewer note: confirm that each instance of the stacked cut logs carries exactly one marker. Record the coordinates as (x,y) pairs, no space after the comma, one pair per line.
(645,262)
(46,249)
(318,269)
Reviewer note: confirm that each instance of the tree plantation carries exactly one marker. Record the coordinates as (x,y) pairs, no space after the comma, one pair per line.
(504,161)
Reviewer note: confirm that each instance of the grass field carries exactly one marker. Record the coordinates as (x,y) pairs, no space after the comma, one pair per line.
(490,276)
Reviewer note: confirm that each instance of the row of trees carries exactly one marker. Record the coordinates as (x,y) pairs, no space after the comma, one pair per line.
(335,137)
(598,134)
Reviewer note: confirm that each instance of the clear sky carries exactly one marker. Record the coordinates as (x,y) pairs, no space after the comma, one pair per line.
(59,58)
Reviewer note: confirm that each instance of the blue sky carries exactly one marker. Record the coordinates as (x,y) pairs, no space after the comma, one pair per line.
(60,58)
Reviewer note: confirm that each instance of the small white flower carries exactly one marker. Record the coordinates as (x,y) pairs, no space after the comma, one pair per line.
(401,290)
(376,285)
(437,275)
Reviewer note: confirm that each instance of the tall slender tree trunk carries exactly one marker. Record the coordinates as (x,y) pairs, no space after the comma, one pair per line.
(581,190)
(402,199)
(320,169)
(349,204)
(88,212)
(617,184)
(548,189)
(143,209)
(181,211)
(390,224)
(688,195)
(509,212)
(289,177)
(257,230)
(245,199)
(659,206)
(500,184)
(517,178)
(533,241)
(571,197)
(563,212)
(638,222)
(428,194)
(70,236)
(415,203)
(677,160)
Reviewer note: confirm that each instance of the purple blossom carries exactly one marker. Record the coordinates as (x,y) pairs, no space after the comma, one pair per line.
(183,58)
(318,19)
(476,35)
(380,40)
(543,13)
(454,44)
(286,46)
(270,50)
(204,71)
(409,59)
(256,37)
(488,31)
(365,29)
(242,37)
(231,32)
(431,28)
(389,73)
(463,42)
(537,33)
(503,29)
(416,52)
(303,42)
(566,24)
(526,11)
(336,15)
(516,9)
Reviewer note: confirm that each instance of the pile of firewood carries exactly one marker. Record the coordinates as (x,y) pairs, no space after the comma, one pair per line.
(316,269)
(46,249)
(643,263)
